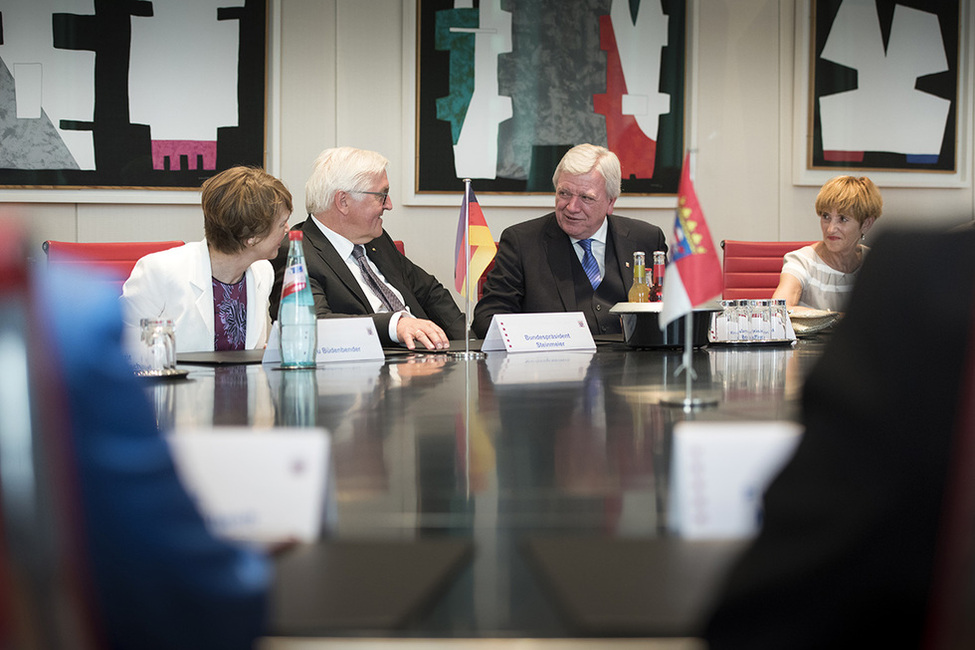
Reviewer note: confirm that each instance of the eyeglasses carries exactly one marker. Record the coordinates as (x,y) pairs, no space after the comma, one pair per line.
(566,196)
(382,195)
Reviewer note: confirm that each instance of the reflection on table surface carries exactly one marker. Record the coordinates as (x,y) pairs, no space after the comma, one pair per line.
(497,449)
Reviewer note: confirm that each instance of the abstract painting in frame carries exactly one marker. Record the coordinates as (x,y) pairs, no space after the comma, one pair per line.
(139,94)
(884,85)
(506,87)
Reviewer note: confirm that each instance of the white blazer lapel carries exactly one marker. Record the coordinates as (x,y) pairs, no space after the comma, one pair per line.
(202,282)
(258,320)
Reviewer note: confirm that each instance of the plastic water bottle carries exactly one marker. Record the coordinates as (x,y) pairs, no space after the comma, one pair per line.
(296,314)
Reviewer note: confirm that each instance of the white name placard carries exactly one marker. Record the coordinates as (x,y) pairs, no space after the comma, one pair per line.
(548,331)
(290,501)
(719,472)
(339,339)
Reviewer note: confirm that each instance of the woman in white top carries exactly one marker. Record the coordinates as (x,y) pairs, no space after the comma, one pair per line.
(216,291)
(821,276)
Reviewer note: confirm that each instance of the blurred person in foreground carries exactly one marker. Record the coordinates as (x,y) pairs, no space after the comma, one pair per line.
(541,264)
(821,276)
(853,539)
(160,579)
(217,291)
(354,267)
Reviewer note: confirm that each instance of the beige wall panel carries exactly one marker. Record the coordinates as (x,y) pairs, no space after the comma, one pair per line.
(115,222)
(308,93)
(44,221)
(738,141)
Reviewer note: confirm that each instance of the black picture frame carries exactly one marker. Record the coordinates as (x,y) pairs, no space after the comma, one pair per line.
(829,78)
(569,65)
(124,151)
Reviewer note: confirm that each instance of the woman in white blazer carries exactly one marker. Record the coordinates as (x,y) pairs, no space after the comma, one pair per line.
(216,291)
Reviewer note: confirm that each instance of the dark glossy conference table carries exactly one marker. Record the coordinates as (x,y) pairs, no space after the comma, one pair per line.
(530,470)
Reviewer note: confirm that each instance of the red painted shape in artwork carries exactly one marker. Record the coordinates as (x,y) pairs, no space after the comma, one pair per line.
(189,148)
(843,156)
(623,135)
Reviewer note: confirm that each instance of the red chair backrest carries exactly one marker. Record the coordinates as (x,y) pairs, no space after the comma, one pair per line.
(751,268)
(114,259)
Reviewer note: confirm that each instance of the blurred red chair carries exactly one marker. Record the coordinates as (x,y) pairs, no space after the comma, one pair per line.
(115,259)
(399,246)
(751,268)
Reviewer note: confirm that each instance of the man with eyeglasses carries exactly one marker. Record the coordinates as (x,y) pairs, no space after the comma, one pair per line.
(353,265)
(578,258)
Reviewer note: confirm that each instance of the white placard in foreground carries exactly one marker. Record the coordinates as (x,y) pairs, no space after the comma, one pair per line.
(719,472)
(256,485)
(547,331)
(339,339)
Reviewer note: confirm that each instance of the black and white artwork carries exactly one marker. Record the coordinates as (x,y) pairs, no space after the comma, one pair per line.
(136,94)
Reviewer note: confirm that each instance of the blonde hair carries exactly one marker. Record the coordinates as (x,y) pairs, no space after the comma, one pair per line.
(853,196)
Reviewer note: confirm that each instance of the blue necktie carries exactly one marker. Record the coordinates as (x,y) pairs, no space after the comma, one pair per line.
(589,263)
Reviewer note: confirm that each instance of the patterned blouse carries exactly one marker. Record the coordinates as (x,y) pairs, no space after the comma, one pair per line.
(229,315)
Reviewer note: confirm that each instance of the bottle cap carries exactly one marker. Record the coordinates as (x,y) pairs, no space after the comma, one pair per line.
(294,235)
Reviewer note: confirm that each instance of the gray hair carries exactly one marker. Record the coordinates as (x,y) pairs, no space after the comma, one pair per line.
(583,158)
(340,169)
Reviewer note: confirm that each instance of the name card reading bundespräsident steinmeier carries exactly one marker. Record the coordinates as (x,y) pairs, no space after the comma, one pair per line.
(547,331)
(290,501)
(339,339)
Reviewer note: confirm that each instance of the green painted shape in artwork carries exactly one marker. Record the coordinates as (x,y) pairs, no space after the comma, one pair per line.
(453,107)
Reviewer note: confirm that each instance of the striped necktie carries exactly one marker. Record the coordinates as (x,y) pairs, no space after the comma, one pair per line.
(589,263)
(388,298)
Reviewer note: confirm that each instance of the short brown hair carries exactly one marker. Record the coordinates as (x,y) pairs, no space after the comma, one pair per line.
(853,196)
(240,203)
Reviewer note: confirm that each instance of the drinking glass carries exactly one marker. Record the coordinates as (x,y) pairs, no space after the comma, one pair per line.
(158,347)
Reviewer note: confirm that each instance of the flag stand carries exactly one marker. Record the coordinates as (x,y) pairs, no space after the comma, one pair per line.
(467,353)
(689,401)
(694,255)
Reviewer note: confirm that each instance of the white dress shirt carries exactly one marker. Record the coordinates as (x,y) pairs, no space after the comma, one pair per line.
(598,247)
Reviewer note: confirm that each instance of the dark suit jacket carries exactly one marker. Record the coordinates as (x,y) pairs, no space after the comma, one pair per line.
(336,291)
(536,270)
(851,524)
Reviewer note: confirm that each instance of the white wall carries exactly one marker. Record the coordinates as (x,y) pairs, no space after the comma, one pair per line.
(336,78)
